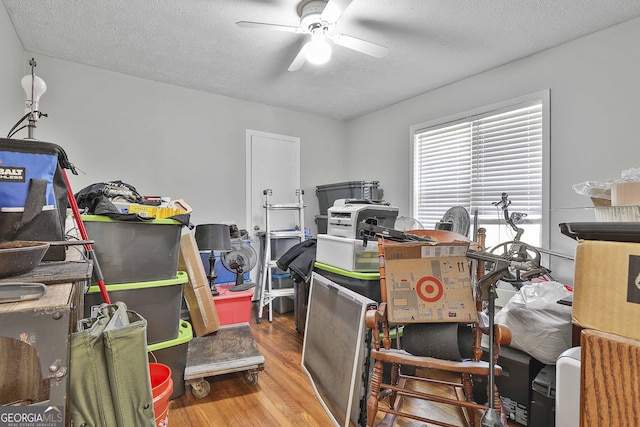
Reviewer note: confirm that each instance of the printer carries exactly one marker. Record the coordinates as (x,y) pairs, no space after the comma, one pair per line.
(345,217)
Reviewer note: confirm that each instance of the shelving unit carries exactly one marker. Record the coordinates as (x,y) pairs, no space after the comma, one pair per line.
(267,294)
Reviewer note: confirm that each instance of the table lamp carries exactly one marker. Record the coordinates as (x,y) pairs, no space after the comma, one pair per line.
(214,238)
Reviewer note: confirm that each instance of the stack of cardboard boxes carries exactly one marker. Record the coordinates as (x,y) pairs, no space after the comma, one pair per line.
(606,304)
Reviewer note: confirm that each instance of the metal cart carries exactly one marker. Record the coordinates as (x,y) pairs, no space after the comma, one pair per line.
(231,349)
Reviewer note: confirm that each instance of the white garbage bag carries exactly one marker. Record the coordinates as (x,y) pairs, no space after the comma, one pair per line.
(539,325)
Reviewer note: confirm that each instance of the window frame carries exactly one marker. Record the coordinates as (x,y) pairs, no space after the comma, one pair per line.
(544,96)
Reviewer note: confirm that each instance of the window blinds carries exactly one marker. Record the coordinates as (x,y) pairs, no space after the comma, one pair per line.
(471,162)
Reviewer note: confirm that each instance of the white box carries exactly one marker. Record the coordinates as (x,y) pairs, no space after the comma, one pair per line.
(347,254)
(568,388)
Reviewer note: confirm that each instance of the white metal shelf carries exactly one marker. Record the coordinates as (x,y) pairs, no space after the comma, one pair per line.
(267,294)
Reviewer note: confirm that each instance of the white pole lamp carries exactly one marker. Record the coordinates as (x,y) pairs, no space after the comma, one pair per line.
(34,87)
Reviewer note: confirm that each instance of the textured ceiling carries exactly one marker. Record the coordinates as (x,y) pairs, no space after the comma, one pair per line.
(197,44)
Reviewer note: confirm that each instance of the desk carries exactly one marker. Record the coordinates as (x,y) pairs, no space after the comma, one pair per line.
(36,332)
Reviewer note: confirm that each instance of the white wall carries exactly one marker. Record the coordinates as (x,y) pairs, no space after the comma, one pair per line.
(595,130)
(12,69)
(172,141)
(165,140)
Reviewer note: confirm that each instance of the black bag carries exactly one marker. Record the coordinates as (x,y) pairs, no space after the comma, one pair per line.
(33,193)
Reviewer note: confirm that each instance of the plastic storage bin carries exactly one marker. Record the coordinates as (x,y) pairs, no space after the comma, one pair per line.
(282,304)
(233,307)
(322,222)
(329,193)
(518,372)
(223,275)
(543,401)
(367,284)
(173,353)
(348,254)
(135,251)
(279,247)
(159,302)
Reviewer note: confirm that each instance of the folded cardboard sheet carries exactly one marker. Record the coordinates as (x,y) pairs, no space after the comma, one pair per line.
(202,309)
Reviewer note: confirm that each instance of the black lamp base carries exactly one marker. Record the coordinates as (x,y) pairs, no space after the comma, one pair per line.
(212,276)
(214,291)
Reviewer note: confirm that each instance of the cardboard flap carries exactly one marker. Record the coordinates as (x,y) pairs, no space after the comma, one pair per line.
(202,309)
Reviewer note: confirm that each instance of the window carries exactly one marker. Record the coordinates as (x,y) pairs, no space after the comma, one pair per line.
(471,159)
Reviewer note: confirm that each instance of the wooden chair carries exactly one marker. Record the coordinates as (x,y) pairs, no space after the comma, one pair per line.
(382,353)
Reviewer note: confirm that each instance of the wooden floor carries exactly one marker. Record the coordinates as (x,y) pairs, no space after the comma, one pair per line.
(283,396)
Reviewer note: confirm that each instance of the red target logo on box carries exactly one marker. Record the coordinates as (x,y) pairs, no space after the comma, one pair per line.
(429,289)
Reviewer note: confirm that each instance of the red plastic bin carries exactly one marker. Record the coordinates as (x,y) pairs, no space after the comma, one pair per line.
(233,307)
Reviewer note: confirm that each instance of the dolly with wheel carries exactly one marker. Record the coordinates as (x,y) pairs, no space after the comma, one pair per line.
(231,349)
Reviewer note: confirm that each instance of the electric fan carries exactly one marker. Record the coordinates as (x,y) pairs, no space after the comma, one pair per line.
(240,259)
(456,219)
(405,223)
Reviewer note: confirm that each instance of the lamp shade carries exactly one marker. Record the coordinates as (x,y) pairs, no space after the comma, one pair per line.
(213,237)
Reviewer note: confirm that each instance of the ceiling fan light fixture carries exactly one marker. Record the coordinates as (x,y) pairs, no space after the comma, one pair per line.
(318,50)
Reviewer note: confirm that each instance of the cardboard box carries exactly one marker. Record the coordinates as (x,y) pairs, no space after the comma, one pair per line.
(607,287)
(175,207)
(202,310)
(190,260)
(598,202)
(428,282)
(625,194)
(197,293)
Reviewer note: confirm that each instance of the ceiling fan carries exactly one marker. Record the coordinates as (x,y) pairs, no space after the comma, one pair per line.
(318,18)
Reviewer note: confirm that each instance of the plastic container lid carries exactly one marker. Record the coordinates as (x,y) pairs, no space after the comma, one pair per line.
(185,335)
(347,184)
(181,278)
(347,273)
(104,218)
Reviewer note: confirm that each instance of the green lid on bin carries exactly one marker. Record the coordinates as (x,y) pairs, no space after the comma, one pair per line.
(104,218)
(185,334)
(347,273)
(181,278)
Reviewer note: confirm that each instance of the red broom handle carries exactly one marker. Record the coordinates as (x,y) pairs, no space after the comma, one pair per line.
(85,236)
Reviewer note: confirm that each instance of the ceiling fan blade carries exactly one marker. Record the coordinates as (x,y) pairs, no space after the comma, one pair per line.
(368,48)
(265,26)
(334,9)
(299,60)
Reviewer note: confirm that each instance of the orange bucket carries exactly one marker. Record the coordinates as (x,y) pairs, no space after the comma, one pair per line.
(161,389)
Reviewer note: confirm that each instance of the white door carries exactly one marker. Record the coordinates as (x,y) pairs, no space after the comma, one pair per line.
(273,162)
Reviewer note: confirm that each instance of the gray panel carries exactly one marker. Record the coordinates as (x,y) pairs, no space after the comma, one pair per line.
(335,352)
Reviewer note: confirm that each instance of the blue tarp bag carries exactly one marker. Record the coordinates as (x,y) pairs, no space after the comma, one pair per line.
(33,193)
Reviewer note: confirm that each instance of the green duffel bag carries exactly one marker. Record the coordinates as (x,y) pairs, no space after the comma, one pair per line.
(109,370)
